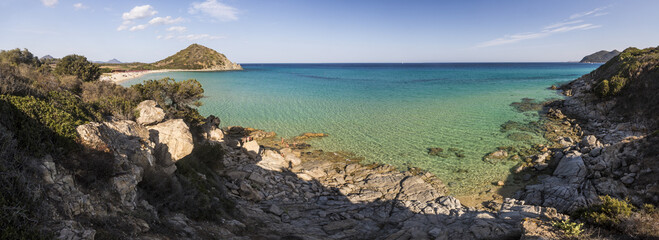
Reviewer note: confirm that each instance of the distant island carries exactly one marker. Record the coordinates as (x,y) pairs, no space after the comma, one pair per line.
(600,57)
(193,58)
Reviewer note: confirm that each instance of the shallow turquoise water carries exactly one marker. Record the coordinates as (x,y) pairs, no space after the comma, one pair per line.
(388,113)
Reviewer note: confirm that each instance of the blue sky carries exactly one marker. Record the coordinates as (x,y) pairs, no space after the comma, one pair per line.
(249,31)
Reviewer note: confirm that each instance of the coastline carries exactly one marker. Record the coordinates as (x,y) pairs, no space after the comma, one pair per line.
(119,77)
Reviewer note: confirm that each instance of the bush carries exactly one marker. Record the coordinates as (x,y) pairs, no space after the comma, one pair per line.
(16,57)
(18,206)
(78,66)
(110,99)
(602,88)
(609,212)
(569,229)
(40,126)
(13,83)
(178,99)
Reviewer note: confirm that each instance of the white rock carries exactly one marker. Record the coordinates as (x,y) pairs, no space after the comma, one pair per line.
(149,113)
(271,160)
(252,148)
(174,136)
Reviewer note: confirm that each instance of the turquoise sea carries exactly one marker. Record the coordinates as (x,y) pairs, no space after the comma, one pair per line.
(389,113)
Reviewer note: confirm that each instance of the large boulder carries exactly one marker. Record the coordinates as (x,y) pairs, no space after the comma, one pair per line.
(117,135)
(252,148)
(571,167)
(149,113)
(272,160)
(590,141)
(173,139)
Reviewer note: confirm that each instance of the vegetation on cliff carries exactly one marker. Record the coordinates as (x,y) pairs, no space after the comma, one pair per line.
(630,83)
(633,64)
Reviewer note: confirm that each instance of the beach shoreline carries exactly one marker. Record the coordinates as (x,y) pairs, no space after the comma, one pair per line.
(120,77)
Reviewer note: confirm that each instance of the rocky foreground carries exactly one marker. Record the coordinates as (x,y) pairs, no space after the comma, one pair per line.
(275,193)
(157,178)
(269,191)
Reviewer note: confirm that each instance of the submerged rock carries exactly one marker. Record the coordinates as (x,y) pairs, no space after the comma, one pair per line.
(436,151)
(309,135)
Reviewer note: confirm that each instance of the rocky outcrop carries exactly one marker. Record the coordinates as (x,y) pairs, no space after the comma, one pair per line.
(149,113)
(608,156)
(302,194)
(172,138)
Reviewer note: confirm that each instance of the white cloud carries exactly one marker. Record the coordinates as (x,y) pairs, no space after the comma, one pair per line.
(572,24)
(591,12)
(165,20)
(177,29)
(560,24)
(138,27)
(139,12)
(79,6)
(49,3)
(214,9)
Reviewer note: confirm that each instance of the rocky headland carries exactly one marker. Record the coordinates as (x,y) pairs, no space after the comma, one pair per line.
(600,56)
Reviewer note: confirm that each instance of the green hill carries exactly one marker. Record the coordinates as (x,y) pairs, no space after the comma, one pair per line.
(628,83)
(197,57)
(600,57)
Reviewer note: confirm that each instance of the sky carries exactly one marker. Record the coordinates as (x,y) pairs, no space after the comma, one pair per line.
(315,31)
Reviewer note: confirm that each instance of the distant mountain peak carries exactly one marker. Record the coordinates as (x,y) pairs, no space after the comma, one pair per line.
(114,60)
(600,57)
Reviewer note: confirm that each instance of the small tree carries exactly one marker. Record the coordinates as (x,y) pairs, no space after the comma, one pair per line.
(17,56)
(78,66)
(179,99)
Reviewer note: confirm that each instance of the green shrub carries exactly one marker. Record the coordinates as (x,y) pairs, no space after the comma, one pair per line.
(17,56)
(40,126)
(609,213)
(616,84)
(569,229)
(78,66)
(178,99)
(110,99)
(602,89)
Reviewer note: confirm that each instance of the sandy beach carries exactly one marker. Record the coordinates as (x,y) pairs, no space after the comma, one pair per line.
(119,77)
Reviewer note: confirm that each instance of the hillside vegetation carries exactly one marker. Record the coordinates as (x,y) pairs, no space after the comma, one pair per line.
(600,57)
(631,81)
(196,57)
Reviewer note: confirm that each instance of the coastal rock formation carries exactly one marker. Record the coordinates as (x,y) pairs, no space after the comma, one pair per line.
(172,138)
(149,113)
(325,199)
(614,150)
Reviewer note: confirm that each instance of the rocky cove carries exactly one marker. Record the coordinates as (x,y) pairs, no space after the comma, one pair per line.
(159,177)
(266,190)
